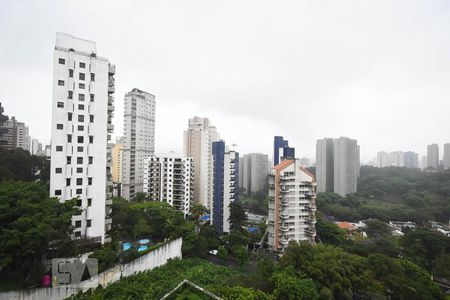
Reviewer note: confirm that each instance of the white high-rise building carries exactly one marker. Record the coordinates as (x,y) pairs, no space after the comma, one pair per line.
(346,165)
(139,133)
(253,173)
(292,205)
(433,156)
(382,159)
(82,112)
(198,139)
(36,147)
(396,159)
(170,178)
(447,156)
(325,165)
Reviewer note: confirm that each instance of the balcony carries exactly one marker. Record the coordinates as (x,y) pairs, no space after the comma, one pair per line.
(112,69)
(284,228)
(108,221)
(108,202)
(284,242)
(111,89)
(110,128)
(284,216)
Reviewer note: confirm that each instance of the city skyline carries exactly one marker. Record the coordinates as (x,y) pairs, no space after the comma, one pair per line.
(351,84)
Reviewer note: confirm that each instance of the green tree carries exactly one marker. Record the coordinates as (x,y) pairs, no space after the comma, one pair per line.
(329,232)
(377,228)
(30,224)
(238,217)
(289,286)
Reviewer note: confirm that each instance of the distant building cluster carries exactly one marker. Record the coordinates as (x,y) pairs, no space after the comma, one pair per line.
(15,134)
(254,170)
(431,162)
(337,165)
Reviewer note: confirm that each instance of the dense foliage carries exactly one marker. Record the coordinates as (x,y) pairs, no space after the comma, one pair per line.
(19,164)
(393,194)
(31,224)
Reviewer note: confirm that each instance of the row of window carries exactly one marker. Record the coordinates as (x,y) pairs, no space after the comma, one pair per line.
(79,170)
(81,76)
(80,160)
(62,61)
(60,148)
(78,224)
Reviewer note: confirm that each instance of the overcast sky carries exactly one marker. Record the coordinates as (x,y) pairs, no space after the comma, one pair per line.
(378,72)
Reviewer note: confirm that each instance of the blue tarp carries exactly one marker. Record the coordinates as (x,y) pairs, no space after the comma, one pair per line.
(205,218)
(144,241)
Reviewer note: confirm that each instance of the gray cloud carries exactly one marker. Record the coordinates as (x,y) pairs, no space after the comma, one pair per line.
(375,71)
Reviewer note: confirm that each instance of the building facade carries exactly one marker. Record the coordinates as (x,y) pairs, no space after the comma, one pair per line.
(15,135)
(117,160)
(447,156)
(325,165)
(281,150)
(292,205)
(225,185)
(433,156)
(254,169)
(170,178)
(346,166)
(139,133)
(411,160)
(198,139)
(82,112)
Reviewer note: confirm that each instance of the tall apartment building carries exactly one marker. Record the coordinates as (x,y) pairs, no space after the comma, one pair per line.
(36,147)
(292,205)
(253,172)
(3,130)
(433,156)
(198,139)
(383,159)
(82,112)
(139,133)
(325,165)
(346,165)
(15,135)
(411,160)
(447,156)
(170,178)
(281,150)
(225,185)
(117,160)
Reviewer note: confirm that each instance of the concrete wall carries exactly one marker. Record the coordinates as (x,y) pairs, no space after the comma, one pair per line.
(153,259)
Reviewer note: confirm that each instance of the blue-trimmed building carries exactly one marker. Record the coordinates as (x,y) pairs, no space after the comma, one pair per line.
(281,150)
(225,185)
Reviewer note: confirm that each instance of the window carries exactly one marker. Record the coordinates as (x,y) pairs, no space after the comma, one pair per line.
(79,202)
(78,224)
(60,104)
(67,181)
(82,65)
(70,95)
(91,118)
(59,126)
(62,61)
(91,139)
(69,138)
(79,170)
(89,202)
(61,82)
(80,127)
(80,139)
(69,160)
(92,97)
(69,116)
(79,181)
(81,97)
(90,181)
(91,159)
(92,77)
(80,149)
(59,148)
(58,170)
(80,118)
(70,73)
(81,86)
(80,106)
(79,160)
(77,233)
(88,223)
(81,76)
(58,193)
(79,191)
